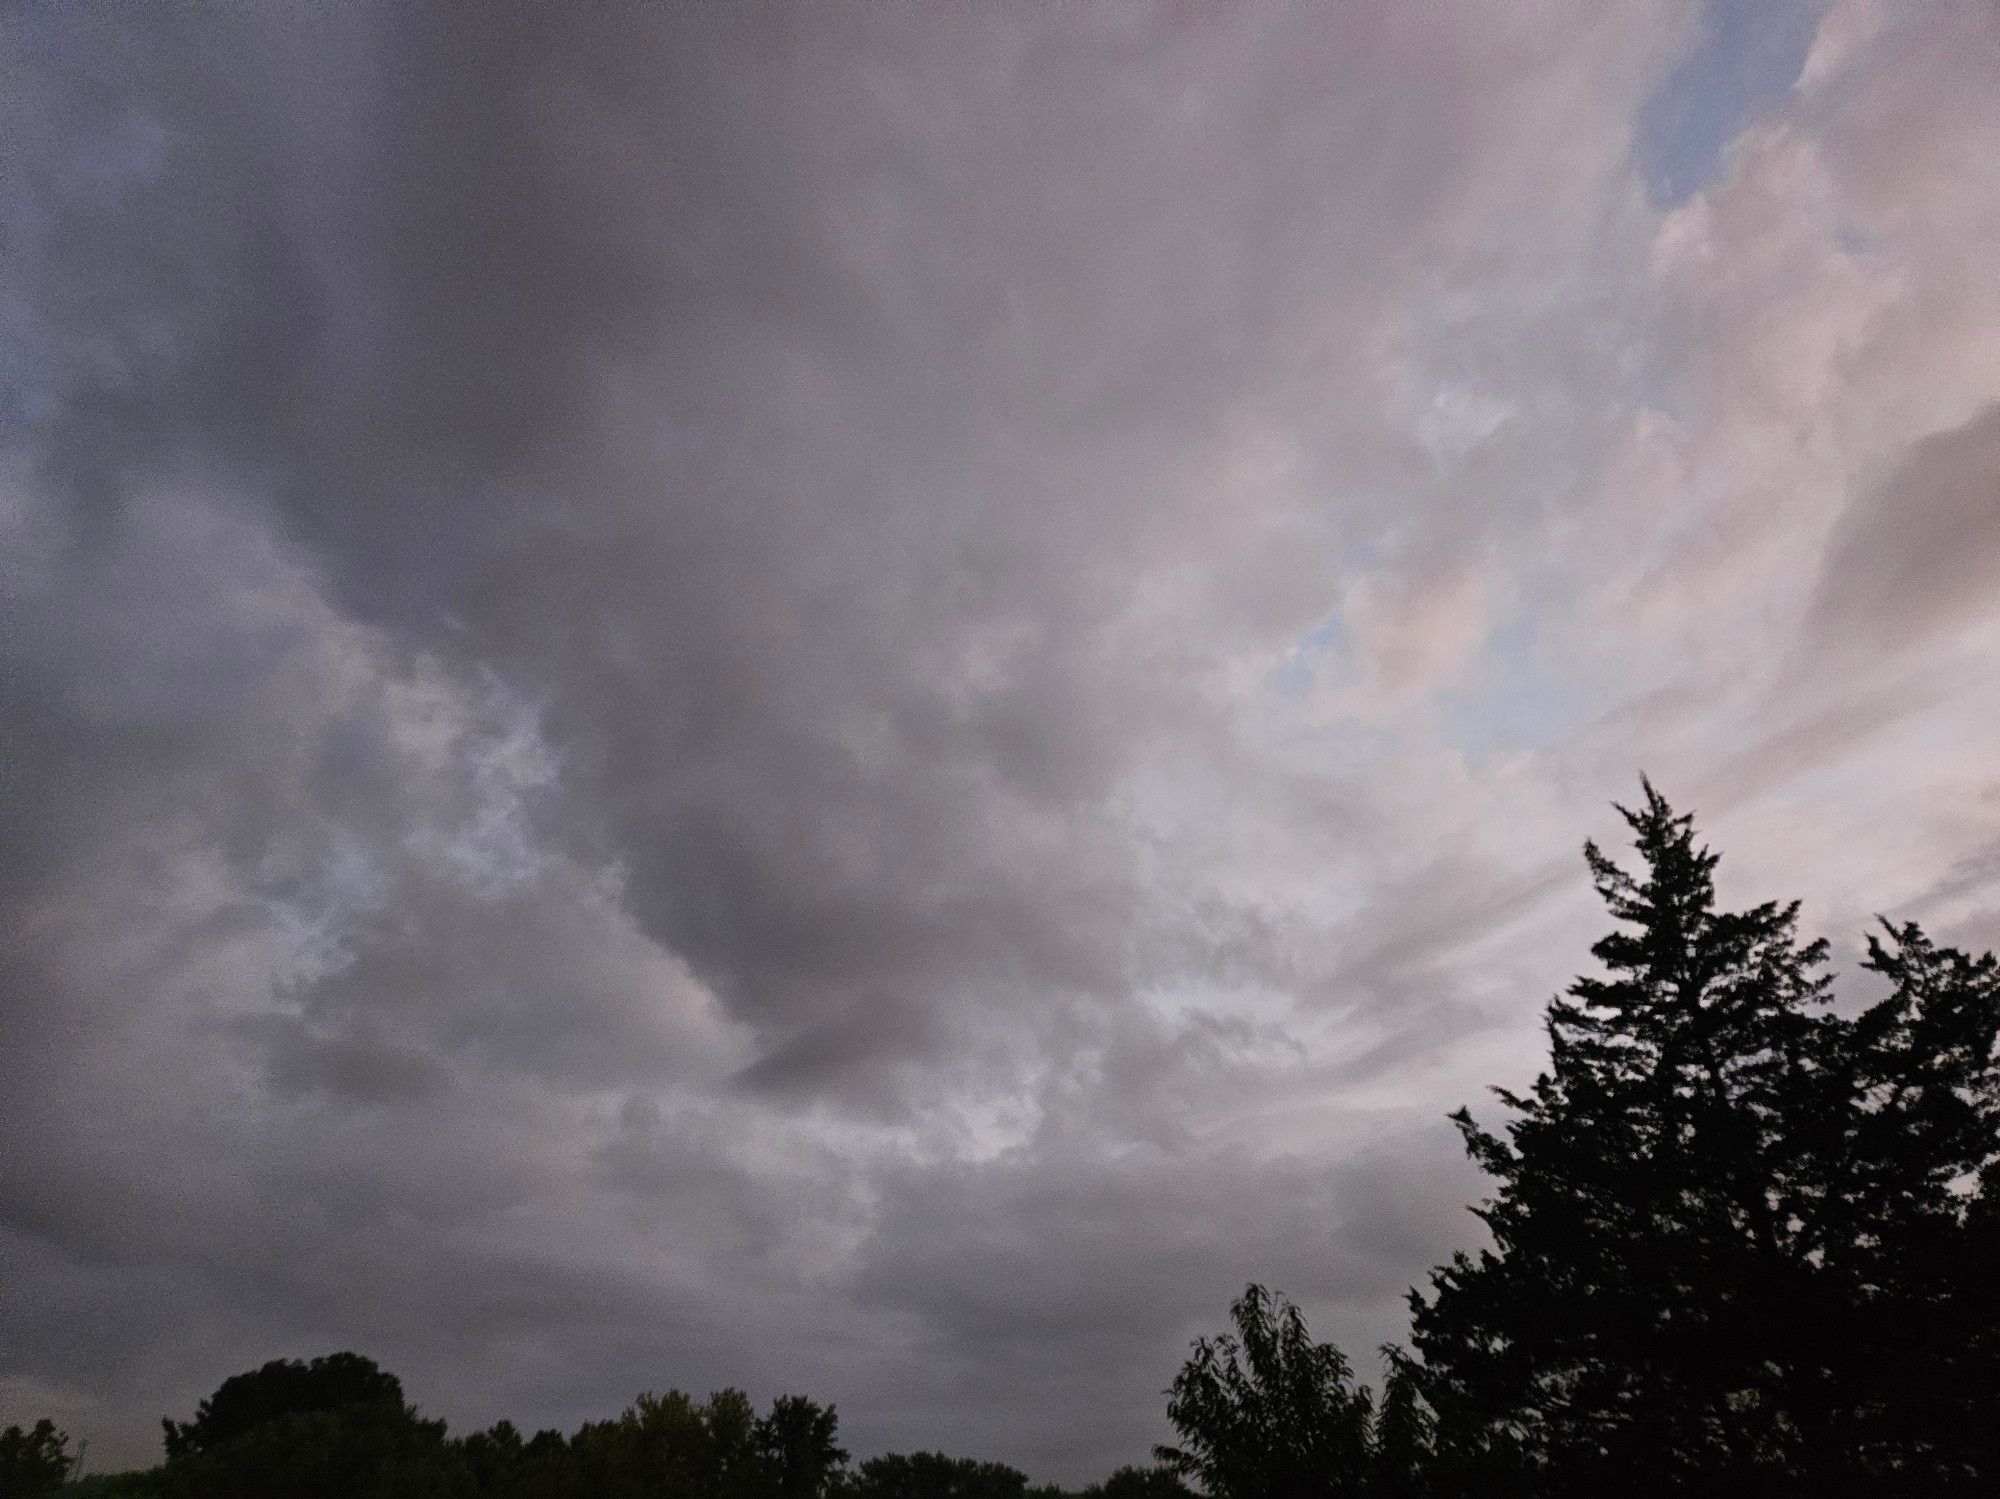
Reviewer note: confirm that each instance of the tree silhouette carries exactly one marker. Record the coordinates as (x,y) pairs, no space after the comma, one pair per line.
(1269,1413)
(359,1451)
(800,1455)
(1737,1240)
(281,1388)
(33,1460)
(1404,1437)
(932,1475)
(1140,1483)
(1909,1235)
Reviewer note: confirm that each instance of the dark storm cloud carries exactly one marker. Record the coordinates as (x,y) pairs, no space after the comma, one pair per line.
(703,693)
(790,422)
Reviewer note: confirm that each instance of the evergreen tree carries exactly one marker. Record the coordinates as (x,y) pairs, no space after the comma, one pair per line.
(1909,1234)
(1723,1215)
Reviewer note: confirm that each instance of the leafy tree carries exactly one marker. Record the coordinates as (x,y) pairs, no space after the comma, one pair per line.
(672,1445)
(373,1451)
(501,1464)
(932,1475)
(801,1457)
(1140,1483)
(336,1427)
(1403,1436)
(1269,1413)
(1736,1238)
(281,1388)
(36,1460)
(339,1427)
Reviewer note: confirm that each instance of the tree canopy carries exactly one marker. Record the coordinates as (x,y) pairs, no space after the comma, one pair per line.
(1740,1240)
(1268,1410)
(281,1388)
(33,1460)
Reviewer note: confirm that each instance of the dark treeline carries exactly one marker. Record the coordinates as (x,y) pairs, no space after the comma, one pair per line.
(339,1427)
(1741,1242)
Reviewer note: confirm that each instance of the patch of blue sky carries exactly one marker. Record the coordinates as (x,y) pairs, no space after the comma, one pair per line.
(1321,636)
(1514,698)
(1293,676)
(1748,57)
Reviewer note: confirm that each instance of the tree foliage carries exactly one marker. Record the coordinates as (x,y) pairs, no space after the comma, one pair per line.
(1140,1483)
(932,1475)
(338,1428)
(363,1451)
(1742,1240)
(1738,1241)
(1267,1411)
(281,1388)
(33,1460)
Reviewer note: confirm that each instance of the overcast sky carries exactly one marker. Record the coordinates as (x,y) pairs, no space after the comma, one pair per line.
(869,698)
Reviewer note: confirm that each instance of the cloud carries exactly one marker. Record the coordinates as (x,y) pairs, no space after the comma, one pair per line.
(806,695)
(1920,551)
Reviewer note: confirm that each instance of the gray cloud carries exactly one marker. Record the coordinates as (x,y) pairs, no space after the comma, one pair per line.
(1920,551)
(798,694)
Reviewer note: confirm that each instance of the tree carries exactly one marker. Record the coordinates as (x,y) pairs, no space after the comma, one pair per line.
(363,1451)
(1910,1227)
(932,1475)
(1727,1223)
(1403,1437)
(1140,1483)
(800,1454)
(335,1427)
(280,1388)
(672,1445)
(1269,1413)
(35,1460)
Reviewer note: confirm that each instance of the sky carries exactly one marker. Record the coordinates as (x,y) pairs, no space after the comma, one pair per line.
(868,699)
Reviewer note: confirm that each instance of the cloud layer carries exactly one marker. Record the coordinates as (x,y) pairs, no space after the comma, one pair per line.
(868,699)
